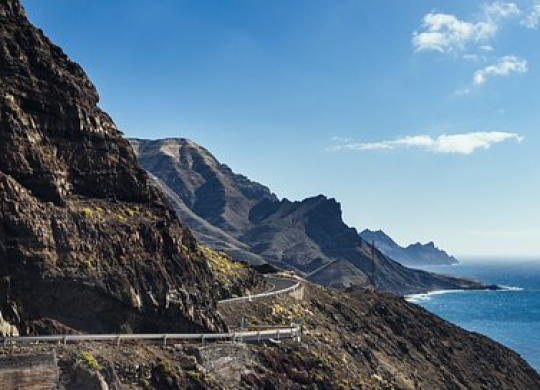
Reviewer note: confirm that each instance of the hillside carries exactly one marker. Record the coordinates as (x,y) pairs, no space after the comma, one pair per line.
(86,242)
(351,340)
(229,212)
(416,255)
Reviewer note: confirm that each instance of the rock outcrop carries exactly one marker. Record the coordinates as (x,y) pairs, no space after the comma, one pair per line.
(86,240)
(413,255)
(229,212)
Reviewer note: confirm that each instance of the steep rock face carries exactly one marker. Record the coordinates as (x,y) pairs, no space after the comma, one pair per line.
(85,239)
(212,200)
(206,186)
(243,218)
(311,236)
(415,255)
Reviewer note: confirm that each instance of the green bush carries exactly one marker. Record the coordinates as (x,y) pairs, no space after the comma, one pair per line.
(90,361)
(87,212)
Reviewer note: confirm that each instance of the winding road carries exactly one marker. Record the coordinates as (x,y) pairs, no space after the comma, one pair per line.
(279,285)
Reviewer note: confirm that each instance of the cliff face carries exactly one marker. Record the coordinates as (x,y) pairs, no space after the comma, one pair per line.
(414,255)
(228,212)
(209,198)
(86,242)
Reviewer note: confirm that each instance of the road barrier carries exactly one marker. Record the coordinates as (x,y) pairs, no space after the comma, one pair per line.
(249,336)
(250,298)
(266,334)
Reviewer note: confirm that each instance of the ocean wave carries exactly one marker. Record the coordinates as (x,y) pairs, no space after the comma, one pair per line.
(427,296)
(511,288)
(416,298)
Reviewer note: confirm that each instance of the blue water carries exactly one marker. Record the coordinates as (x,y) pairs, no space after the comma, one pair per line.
(511,317)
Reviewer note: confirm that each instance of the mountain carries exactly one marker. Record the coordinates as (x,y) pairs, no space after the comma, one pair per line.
(87,243)
(414,255)
(245,219)
(212,200)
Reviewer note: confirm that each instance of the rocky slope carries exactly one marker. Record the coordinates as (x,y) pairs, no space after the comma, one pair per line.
(231,213)
(351,340)
(413,255)
(86,241)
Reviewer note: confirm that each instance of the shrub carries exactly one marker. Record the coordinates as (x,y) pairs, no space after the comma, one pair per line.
(90,361)
(86,212)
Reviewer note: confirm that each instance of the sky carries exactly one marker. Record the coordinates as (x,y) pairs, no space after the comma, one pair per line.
(420,117)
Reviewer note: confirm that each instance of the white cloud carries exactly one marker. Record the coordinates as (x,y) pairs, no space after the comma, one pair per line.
(501,10)
(532,18)
(486,48)
(446,33)
(465,143)
(503,67)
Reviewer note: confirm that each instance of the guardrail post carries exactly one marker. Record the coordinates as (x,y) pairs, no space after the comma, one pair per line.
(65,340)
(118,340)
(259,336)
(164,340)
(202,338)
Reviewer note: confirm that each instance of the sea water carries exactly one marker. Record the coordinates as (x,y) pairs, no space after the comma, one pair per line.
(511,316)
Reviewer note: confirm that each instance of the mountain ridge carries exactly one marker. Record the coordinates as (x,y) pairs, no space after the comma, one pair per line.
(416,254)
(308,236)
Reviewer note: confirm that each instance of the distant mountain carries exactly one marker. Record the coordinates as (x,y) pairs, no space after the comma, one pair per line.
(246,220)
(413,255)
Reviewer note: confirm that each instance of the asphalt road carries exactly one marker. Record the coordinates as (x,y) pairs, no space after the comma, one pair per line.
(279,284)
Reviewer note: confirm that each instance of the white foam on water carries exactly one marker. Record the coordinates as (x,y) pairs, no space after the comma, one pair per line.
(416,298)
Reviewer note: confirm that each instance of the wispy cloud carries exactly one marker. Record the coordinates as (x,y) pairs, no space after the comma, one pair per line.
(465,143)
(505,66)
(532,17)
(501,10)
(446,33)
(471,40)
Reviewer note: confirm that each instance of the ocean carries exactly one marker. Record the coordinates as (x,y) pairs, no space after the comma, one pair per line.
(511,317)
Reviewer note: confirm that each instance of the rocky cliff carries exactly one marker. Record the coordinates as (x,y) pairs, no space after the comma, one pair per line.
(86,242)
(413,255)
(243,218)
(354,339)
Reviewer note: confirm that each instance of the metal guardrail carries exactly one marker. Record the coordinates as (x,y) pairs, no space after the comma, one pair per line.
(250,336)
(264,295)
(269,333)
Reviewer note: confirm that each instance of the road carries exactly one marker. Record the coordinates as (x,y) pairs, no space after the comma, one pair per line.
(279,285)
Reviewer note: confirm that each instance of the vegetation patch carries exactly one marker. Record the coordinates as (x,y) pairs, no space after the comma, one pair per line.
(90,361)
(221,264)
(87,212)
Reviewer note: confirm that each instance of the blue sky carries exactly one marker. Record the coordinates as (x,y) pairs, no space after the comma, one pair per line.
(420,117)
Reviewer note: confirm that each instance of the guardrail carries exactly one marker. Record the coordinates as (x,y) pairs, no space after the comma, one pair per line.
(250,298)
(249,336)
(269,333)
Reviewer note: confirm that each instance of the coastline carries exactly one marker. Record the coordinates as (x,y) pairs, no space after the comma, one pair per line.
(416,298)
